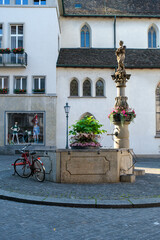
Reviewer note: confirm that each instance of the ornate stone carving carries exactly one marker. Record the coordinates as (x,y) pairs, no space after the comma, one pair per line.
(121,102)
(120,53)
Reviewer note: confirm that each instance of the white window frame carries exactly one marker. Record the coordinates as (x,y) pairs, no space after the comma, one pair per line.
(16,34)
(20,3)
(39,82)
(21,78)
(40,2)
(3,3)
(1,35)
(3,79)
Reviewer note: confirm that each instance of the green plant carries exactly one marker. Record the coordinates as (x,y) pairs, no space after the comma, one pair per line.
(3,90)
(5,50)
(19,50)
(19,91)
(121,114)
(86,132)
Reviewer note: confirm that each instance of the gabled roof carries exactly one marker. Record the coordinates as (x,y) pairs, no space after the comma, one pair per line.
(112,7)
(106,58)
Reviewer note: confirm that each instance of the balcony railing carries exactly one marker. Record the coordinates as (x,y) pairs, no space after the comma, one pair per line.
(13,60)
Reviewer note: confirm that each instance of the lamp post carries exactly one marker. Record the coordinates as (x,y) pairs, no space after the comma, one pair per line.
(66,109)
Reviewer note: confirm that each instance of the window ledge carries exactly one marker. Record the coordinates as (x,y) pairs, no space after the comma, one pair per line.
(87,97)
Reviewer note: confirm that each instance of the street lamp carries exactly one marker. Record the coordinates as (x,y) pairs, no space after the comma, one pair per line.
(66,109)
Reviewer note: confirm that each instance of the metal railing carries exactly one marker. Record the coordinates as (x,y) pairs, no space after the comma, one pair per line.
(13,60)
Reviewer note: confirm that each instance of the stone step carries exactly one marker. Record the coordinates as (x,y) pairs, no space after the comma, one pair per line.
(139,172)
(128,178)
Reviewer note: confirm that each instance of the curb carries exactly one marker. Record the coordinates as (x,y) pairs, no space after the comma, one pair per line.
(78,203)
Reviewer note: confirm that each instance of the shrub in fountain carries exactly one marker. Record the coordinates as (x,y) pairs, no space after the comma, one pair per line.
(86,133)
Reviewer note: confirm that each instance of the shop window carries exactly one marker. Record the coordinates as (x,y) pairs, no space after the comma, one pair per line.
(85,36)
(74,88)
(87,88)
(39,85)
(25,128)
(20,85)
(22,2)
(39,2)
(4,1)
(99,88)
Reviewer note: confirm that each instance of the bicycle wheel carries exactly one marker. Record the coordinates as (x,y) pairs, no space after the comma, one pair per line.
(22,168)
(39,170)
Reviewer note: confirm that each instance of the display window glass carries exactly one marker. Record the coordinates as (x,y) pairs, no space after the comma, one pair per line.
(23,128)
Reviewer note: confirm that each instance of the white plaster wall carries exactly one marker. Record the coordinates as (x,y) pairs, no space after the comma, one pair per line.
(102,32)
(141,96)
(133,31)
(41,31)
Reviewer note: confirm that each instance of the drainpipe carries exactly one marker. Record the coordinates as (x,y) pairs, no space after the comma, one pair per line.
(114,32)
(115,37)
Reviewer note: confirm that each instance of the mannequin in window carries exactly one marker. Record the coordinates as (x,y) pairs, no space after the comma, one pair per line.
(15,130)
(36,130)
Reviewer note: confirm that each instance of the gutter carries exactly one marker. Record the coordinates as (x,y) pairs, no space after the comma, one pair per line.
(105,66)
(110,16)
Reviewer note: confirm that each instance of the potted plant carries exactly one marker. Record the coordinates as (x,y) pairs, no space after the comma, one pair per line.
(39,90)
(3,90)
(121,114)
(19,50)
(19,91)
(85,133)
(4,50)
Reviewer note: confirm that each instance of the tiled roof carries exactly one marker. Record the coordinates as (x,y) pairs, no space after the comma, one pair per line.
(112,7)
(106,58)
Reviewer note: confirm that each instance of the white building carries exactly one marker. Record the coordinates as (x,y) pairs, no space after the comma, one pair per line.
(29,79)
(87,34)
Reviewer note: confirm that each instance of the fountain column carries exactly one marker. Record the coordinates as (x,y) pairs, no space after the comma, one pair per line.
(121,77)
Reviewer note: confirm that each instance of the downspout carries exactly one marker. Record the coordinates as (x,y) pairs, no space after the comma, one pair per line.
(115,32)
(115,37)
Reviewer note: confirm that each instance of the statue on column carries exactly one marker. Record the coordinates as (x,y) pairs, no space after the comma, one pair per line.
(120,53)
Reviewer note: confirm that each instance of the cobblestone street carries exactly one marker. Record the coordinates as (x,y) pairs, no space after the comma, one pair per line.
(24,221)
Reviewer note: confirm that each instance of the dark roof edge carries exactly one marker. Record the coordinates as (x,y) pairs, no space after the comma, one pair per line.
(104,66)
(110,16)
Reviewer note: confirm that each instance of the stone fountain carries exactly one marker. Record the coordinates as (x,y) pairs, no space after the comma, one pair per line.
(121,77)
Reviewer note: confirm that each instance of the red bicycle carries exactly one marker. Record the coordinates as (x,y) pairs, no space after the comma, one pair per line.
(25,168)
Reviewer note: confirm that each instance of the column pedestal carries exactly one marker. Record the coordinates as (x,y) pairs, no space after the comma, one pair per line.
(121,140)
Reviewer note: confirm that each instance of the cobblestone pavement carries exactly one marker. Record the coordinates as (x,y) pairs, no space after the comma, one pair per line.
(19,221)
(147,186)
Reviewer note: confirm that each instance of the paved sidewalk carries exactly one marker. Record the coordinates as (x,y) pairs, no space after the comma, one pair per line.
(145,192)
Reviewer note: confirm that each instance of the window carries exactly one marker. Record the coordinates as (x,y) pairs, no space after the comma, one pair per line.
(4,1)
(158,110)
(99,88)
(78,5)
(74,88)
(39,84)
(1,35)
(16,42)
(152,38)
(87,88)
(39,2)
(85,36)
(21,2)
(20,85)
(4,85)
(29,128)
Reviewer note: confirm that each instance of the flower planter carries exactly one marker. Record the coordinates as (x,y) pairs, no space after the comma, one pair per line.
(16,91)
(80,147)
(39,91)
(3,91)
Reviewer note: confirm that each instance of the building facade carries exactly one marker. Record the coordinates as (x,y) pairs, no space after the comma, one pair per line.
(69,56)
(28,79)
